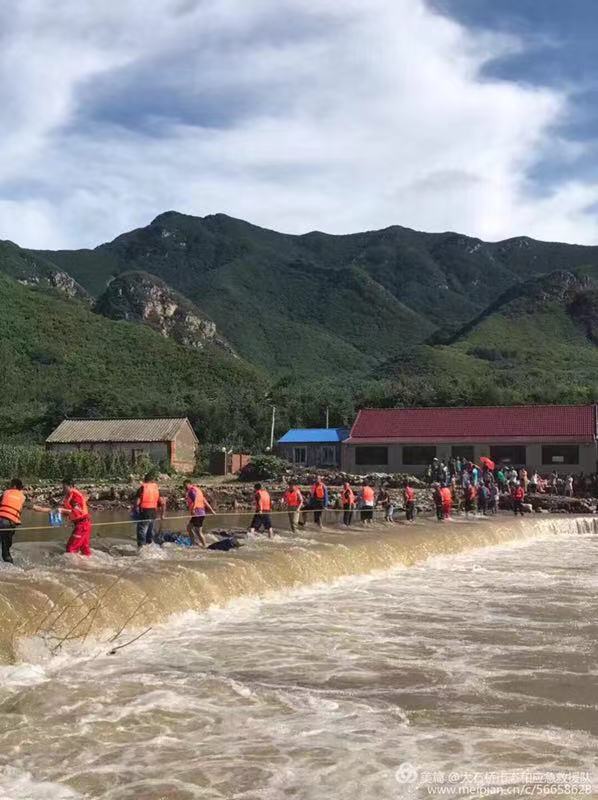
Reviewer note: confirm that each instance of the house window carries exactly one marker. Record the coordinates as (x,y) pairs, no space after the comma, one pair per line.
(462,451)
(329,456)
(560,454)
(371,456)
(417,455)
(509,454)
(300,456)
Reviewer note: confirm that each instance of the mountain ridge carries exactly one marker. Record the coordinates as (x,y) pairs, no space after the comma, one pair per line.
(285,287)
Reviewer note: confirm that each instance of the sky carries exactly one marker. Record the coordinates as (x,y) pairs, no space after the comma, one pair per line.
(477,116)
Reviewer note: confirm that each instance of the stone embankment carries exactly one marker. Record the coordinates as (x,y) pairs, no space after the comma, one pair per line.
(237,496)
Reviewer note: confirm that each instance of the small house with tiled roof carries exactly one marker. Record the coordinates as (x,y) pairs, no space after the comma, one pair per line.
(543,437)
(168,441)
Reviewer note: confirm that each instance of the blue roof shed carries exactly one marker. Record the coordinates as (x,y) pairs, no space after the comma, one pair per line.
(314,436)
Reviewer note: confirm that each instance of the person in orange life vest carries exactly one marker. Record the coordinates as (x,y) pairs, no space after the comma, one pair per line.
(197,504)
(471,494)
(263,507)
(318,499)
(517,496)
(348,504)
(11,507)
(447,502)
(367,502)
(437,498)
(74,504)
(409,499)
(148,504)
(292,499)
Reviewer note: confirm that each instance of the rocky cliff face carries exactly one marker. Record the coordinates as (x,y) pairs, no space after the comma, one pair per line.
(56,279)
(140,297)
(34,270)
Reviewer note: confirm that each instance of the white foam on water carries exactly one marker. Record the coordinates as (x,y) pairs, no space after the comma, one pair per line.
(324,691)
(17,784)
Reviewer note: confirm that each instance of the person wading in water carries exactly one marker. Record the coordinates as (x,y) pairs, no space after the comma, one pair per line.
(318,500)
(11,507)
(74,505)
(263,508)
(147,504)
(197,505)
(348,504)
(292,499)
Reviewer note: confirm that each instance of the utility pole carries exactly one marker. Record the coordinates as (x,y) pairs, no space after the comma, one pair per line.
(327,417)
(272,428)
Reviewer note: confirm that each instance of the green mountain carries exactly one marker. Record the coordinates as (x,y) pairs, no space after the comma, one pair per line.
(314,302)
(33,269)
(534,344)
(237,317)
(59,358)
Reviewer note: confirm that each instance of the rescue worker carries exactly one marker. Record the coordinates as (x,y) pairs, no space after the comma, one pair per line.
(197,504)
(409,499)
(11,507)
(263,508)
(446,497)
(517,496)
(318,500)
(368,501)
(148,504)
(347,503)
(292,500)
(471,494)
(75,505)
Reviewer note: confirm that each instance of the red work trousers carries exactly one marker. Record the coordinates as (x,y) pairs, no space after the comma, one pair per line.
(446,510)
(80,538)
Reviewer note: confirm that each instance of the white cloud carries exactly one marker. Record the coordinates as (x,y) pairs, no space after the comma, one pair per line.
(337,116)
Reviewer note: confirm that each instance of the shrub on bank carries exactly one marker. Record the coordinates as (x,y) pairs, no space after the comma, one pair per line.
(32,462)
(265,467)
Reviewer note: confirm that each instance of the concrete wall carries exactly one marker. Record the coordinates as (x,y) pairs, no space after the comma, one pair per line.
(587,459)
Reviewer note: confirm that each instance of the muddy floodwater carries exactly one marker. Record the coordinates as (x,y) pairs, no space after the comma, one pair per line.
(455,660)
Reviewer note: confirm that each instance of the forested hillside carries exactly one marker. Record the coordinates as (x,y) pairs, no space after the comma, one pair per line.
(317,302)
(219,319)
(60,359)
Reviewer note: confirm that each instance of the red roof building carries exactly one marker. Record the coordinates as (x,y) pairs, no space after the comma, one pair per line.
(407,439)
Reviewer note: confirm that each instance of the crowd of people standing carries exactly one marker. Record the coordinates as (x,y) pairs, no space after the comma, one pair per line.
(456,484)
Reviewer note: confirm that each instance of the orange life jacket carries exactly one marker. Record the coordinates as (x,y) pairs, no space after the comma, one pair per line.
(293,498)
(447,497)
(11,505)
(76,502)
(367,494)
(262,501)
(348,496)
(318,491)
(409,494)
(199,503)
(150,496)
(518,493)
